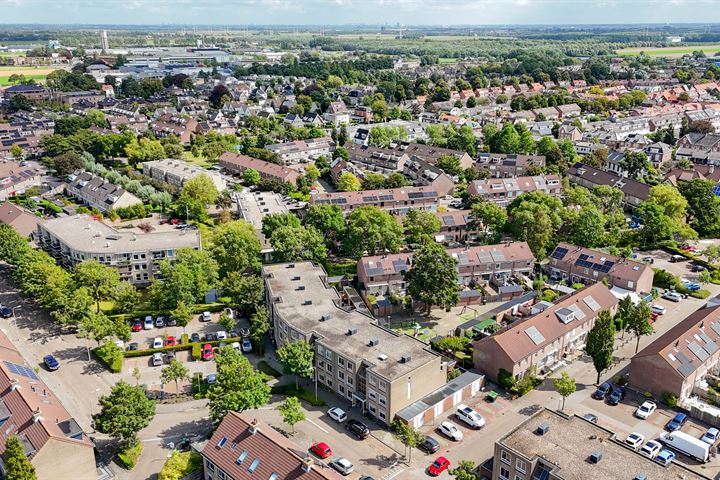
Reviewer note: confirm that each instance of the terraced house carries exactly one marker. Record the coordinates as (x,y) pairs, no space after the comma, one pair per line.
(397,201)
(502,191)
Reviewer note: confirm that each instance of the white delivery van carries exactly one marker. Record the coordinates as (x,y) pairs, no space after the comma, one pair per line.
(684,443)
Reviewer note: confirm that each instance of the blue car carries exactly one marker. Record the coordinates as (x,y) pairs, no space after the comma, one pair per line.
(5,312)
(602,391)
(665,457)
(51,363)
(677,422)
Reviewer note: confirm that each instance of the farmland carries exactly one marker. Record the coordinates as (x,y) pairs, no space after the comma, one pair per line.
(38,74)
(709,50)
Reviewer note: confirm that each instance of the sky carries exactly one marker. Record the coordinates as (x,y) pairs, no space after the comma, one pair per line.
(338,12)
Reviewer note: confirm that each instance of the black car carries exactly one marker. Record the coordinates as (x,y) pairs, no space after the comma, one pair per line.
(697,268)
(429,445)
(617,394)
(132,346)
(359,429)
(590,418)
(210,337)
(195,337)
(5,312)
(602,391)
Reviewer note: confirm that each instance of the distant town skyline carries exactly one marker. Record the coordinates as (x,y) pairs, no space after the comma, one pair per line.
(339,12)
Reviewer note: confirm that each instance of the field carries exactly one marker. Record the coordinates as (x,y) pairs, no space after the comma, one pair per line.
(709,50)
(38,74)
(444,60)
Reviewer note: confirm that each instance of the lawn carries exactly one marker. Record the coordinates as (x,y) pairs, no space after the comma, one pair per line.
(709,50)
(444,60)
(5,79)
(199,161)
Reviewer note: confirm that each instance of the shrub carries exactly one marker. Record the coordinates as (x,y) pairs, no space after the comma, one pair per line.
(110,355)
(648,395)
(505,379)
(526,384)
(619,322)
(196,351)
(549,295)
(128,457)
(199,387)
(453,374)
(620,380)
(290,391)
(669,399)
(577,286)
(184,339)
(702,294)
(180,465)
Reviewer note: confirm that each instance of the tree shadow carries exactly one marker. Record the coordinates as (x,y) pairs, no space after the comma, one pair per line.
(194,430)
(383,461)
(78,353)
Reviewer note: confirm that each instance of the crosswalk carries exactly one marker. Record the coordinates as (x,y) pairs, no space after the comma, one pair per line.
(393,472)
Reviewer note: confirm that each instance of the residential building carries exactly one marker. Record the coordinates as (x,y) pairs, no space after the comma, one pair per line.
(177,172)
(242,447)
(658,153)
(589,177)
(431,154)
(71,98)
(303,150)
(477,265)
(134,253)
(397,201)
(254,206)
(702,172)
(376,159)
(237,164)
(457,227)
(96,192)
(31,92)
(699,148)
(569,132)
(678,361)
(424,174)
(180,126)
(53,440)
(502,191)
(538,343)
(15,179)
(569,110)
(553,446)
(501,165)
(575,264)
(22,221)
(362,362)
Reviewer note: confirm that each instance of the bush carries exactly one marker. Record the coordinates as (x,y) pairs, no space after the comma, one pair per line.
(505,379)
(702,294)
(526,384)
(128,457)
(184,339)
(110,355)
(619,322)
(453,374)
(290,391)
(180,465)
(199,386)
(549,295)
(196,351)
(179,347)
(669,399)
(620,380)
(577,286)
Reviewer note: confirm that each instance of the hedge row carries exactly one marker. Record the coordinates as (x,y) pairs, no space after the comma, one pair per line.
(180,347)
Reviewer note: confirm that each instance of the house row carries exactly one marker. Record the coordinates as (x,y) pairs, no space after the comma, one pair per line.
(96,192)
(634,192)
(501,165)
(397,201)
(177,172)
(502,191)
(301,151)
(237,164)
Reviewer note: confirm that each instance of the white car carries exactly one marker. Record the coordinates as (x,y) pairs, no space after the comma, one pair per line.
(337,414)
(645,410)
(229,312)
(221,335)
(206,317)
(157,359)
(651,449)
(711,436)
(158,343)
(634,440)
(450,431)
(659,309)
(342,465)
(470,416)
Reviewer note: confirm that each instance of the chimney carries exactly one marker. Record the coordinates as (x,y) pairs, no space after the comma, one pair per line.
(14,384)
(37,415)
(254,426)
(307,464)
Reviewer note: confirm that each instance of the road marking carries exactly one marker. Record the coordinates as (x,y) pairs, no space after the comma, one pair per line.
(318,426)
(395,474)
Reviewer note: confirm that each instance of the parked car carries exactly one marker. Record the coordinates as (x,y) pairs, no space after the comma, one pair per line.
(170,342)
(450,431)
(221,335)
(337,414)
(469,416)
(132,346)
(634,440)
(438,466)
(169,356)
(171,322)
(229,312)
(357,428)
(342,465)
(157,359)
(236,346)
(697,268)
(659,309)
(590,417)
(677,422)
(651,449)
(205,317)
(672,296)
(677,258)
(711,436)
(244,332)
(646,409)
(207,352)
(160,322)
(6,312)
(692,286)
(648,259)
(148,324)
(616,396)
(210,337)
(136,325)
(665,457)
(246,345)
(51,363)
(429,445)
(321,449)
(157,342)
(602,391)
(195,337)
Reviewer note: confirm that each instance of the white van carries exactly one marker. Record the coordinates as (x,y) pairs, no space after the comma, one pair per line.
(684,443)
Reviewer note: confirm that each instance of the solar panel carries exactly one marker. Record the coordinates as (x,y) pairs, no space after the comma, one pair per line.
(448,220)
(686,369)
(400,266)
(535,335)
(698,351)
(371,198)
(498,255)
(559,253)
(590,302)
(415,195)
(375,271)
(386,197)
(583,257)
(710,347)
(681,356)
(21,370)
(716,190)
(715,327)
(579,314)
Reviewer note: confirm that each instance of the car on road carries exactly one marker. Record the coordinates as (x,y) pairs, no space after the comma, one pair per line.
(157,342)
(429,445)
(616,396)
(602,391)
(672,296)
(5,311)
(357,428)
(646,409)
(195,337)
(170,342)
(157,359)
(470,416)
(221,335)
(634,440)
(205,317)
(207,352)
(590,417)
(337,414)
(159,322)
(450,431)
(246,345)
(51,363)
(148,324)
(342,465)
(438,466)
(665,457)
(651,449)
(321,449)
(137,325)
(659,309)
(711,436)
(677,422)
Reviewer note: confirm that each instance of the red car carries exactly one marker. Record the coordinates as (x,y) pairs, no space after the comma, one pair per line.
(137,325)
(321,449)
(170,342)
(207,352)
(438,466)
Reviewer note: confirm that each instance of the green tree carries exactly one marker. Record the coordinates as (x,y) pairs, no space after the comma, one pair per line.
(371,231)
(96,325)
(102,281)
(126,297)
(226,321)
(294,244)
(406,435)
(16,152)
(703,206)
(251,177)
(465,470)
(67,163)
(588,230)
(601,342)
(433,278)
(185,280)
(175,372)
(348,183)
(297,359)
(272,222)
(17,465)
(312,172)
(144,150)
(200,188)
(327,219)
(291,412)
(182,314)
(450,164)
(535,218)
(235,247)
(489,218)
(246,291)
(624,310)
(124,412)
(239,386)
(565,386)
(19,102)
(635,164)
(638,322)
(259,325)
(420,226)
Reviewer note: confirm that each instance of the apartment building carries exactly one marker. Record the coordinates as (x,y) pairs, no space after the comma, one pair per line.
(237,164)
(31,92)
(589,177)
(300,151)
(21,220)
(181,127)
(553,446)
(177,172)
(53,440)
(502,165)
(502,191)
(397,201)
(135,254)
(383,274)
(543,340)
(422,173)
(575,264)
(96,192)
(699,148)
(376,159)
(362,362)
(254,206)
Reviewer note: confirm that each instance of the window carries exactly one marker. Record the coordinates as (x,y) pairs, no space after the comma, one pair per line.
(504,473)
(372,395)
(341,375)
(321,364)
(349,380)
(328,354)
(254,465)
(341,361)
(372,409)
(329,382)
(382,400)
(321,350)
(518,477)
(350,366)
(210,466)
(221,474)
(341,389)
(241,458)
(329,368)
(321,377)
(520,466)
(505,457)
(371,380)
(382,385)
(382,415)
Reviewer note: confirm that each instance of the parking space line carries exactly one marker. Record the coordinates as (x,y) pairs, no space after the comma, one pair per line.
(318,426)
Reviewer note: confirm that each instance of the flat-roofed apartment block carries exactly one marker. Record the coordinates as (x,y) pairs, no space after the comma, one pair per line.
(584,265)
(679,360)
(96,192)
(237,164)
(397,201)
(376,159)
(360,361)
(502,165)
(177,172)
(502,191)
(135,254)
(303,150)
(552,446)
(544,340)
(254,206)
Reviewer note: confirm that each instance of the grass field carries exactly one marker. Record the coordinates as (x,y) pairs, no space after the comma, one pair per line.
(443,60)
(709,50)
(38,74)
(5,79)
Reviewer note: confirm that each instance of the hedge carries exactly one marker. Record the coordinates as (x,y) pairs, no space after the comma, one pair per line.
(115,364)
(196,309)
(180,465)
(128,457)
